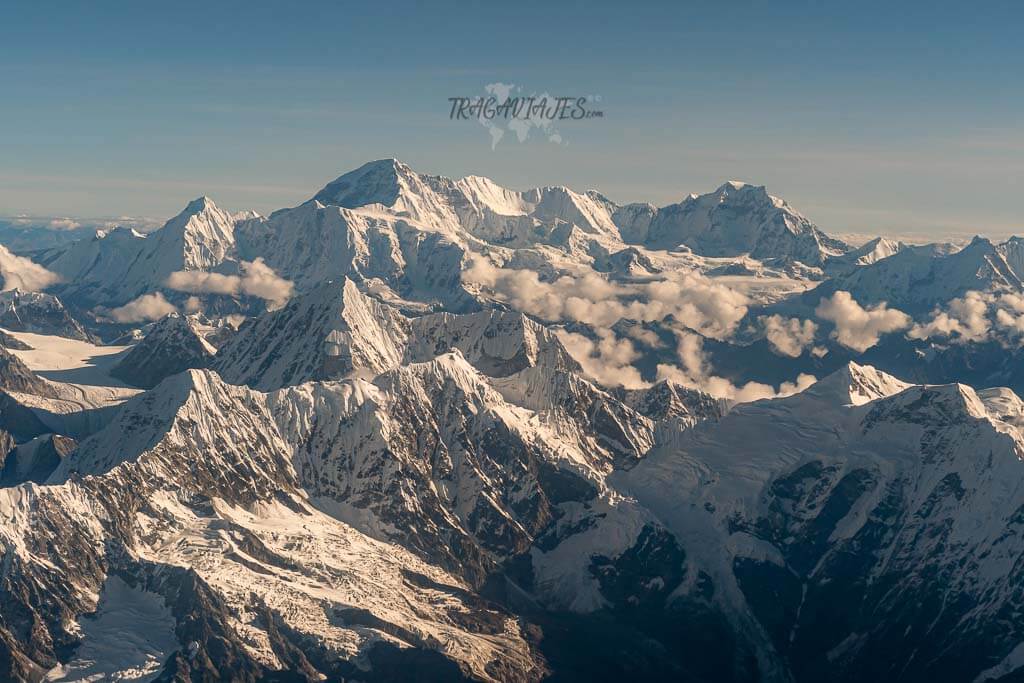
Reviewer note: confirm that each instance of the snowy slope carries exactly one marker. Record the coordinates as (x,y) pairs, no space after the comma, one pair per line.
(889,507)
(919,277)
(734,219)
(59,385)
(330,332)
(115,267)
(262,570)
(39,313)
(35,459)
(128,638)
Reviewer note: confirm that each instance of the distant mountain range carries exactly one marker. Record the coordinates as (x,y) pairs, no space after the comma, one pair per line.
(414,232)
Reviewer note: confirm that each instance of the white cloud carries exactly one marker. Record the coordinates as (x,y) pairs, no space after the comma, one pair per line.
(1009,316)
(965,320)
(856,327)
(645,336)
(695,372)
(257,279)
(203,282)
(21,273)
(260,280)
(694,301)
(608,360)
(63,223)
(145,308)
(788,336)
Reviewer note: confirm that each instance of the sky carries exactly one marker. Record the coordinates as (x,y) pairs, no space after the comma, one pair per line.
(870,118)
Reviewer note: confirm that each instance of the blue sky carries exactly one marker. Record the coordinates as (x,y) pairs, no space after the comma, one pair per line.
(868,118)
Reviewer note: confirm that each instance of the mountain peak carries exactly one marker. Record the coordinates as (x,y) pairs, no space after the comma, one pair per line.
(343,332)
(388,167)
(733,220)
(935,403)
(857,384)
(451,364)
(199,205)
(375,182)
(738,187)
(734,185)
(667,399)
(171,345)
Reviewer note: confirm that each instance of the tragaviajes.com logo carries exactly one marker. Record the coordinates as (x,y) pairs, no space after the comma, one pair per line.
(504,109)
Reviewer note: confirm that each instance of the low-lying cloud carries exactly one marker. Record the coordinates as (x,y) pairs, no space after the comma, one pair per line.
(856,327)
(609,360)
(257,279)
(694,301)
(1009,315)
(788,336)
(145,308)
(692,305)
(695,371)
(25,274)
(965,319)
(976,317)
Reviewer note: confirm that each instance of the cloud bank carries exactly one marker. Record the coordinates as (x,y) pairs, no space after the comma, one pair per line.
(856,327)
(695,372)
(690,304)
(974,318)
(788,336)
(965,318)
(609,360)
(143,309)
(257,279)
(21,273)
(694,301)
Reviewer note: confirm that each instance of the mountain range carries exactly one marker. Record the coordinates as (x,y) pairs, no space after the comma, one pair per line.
(470,433)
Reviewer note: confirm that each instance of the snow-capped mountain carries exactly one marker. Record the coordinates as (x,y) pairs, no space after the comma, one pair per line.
(473,204)
(870,252)
(342,331)
(116,266)
(171,345)
(840,492)
(735,219)
(668,401)
(916,278)
(399,472)
(346,333)
(39,312)
(880,519)
(257,577)
(413,234)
